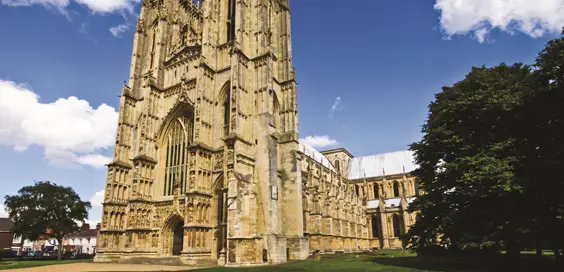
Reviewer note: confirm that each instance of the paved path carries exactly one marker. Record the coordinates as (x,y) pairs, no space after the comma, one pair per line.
(88,267)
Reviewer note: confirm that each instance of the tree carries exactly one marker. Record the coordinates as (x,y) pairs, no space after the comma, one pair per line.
(539,141)
(48,210)
(466,164)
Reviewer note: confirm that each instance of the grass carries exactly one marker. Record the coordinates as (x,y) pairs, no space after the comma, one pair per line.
(14,264)
(388,260)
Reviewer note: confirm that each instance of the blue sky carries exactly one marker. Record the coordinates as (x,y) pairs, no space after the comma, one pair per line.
(366,70)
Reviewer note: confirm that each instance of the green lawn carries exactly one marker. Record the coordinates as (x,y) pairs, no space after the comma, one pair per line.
(401,261)
(13,264)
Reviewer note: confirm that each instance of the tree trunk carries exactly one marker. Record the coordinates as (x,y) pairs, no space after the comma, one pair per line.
(60,251)
(512,248)
(539,245)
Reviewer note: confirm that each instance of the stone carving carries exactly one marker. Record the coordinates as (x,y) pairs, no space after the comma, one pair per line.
(140,25)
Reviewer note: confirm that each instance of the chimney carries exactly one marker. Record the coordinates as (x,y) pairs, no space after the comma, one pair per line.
(85,226)
(98,226)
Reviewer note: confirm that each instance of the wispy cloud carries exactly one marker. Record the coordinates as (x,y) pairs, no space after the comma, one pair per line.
(118,30)
(337,106)
(83,29)
(479,17)
(96,6)
(319,141)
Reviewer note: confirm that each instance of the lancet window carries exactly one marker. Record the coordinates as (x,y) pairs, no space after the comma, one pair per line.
(396,225)
(396,189)
(226,111)
(230,20)
(375,229)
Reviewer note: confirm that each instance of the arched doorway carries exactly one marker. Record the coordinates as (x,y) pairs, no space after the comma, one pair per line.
(178,239)
(172,236)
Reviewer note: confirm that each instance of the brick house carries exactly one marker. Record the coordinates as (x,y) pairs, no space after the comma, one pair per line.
(6,236)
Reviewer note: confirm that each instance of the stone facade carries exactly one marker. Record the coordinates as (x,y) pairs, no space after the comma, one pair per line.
(207,164)
(382,193)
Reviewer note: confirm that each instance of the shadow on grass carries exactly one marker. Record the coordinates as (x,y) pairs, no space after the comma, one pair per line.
(463,263)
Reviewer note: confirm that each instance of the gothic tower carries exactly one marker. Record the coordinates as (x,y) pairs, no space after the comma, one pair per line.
(206,164)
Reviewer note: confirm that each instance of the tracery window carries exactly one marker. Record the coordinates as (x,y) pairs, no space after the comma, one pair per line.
(178,138)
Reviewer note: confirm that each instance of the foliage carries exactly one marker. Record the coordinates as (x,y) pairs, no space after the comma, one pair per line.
(46,210)
(489,160)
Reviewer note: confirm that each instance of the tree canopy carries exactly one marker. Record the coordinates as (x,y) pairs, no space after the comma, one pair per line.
(46,209)
(489,159)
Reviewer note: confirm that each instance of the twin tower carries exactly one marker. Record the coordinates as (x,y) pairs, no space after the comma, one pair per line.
(206,164)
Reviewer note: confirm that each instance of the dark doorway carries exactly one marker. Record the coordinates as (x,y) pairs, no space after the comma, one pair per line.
(222,221)
(178,239)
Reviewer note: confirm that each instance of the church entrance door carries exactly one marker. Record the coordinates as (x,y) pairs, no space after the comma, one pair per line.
(178,239)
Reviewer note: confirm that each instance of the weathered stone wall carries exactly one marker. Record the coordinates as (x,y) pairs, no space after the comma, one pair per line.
(334,212)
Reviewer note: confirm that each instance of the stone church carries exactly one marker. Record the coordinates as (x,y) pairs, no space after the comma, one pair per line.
(208,166)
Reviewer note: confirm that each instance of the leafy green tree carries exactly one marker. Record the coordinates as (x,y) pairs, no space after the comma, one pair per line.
(466,164)
(540,135)
(48,210)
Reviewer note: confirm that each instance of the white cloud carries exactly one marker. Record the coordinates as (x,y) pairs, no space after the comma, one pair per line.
(97,199)
(69,129)
(3,213)
(319,141)
(337,106)
(117,30)
(478,17)
(96,6)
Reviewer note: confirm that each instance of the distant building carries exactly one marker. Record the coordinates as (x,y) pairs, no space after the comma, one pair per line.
(83,241)
(6,235)
(20,245)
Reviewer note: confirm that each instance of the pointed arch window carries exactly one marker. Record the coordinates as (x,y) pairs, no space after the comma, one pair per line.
(357,190)
(376,191)
(184,35)
(396,189)
(417,188)
(178,138)
(375,228)
(396,225)
(231,11)
(338,166)
(227,110)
